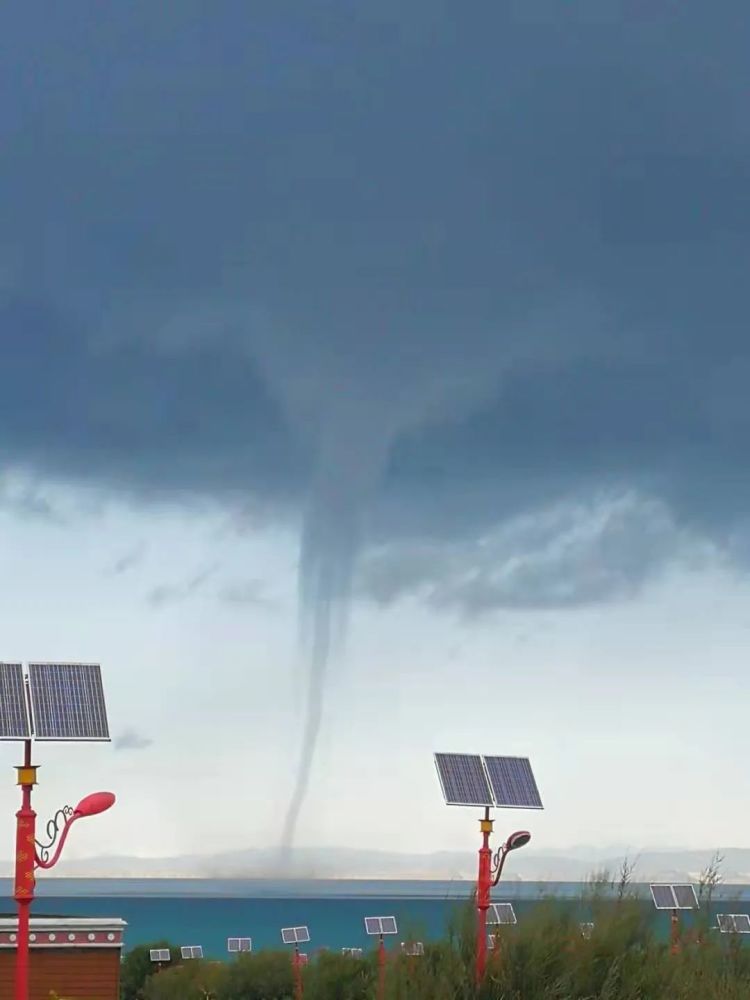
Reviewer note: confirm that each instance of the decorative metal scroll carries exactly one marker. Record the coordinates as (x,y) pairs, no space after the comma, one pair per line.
(55,828)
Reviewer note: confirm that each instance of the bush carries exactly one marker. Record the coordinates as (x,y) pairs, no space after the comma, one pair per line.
(544,957)
(137,968)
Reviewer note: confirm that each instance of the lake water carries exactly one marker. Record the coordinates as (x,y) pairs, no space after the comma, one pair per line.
(207,912)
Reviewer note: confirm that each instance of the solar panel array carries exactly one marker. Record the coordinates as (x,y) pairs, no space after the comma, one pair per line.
(352,952)
(376,926)
(295,935)
(14,710)
(501,913)
(674,897)
(238,944)
(733,923)
(67,701)
(473,780)
(160,955)
(191,951)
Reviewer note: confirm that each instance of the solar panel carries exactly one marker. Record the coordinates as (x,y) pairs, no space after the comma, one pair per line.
(376,926)
(726,922)
(295,935)
(191,951)
(512,783)
(501,913)
(413,948)
(741,923)
(663,897)
(159,955)
(352,952)
(685,897)
(235,945)
(463,779)
(67,702)
(14,710)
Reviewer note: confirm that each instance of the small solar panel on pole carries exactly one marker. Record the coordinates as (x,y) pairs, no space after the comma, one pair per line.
(733,923)
(296,936)
(414,949)
(379,927)
(674,897)
(501,913)
(239,944)
(160,955)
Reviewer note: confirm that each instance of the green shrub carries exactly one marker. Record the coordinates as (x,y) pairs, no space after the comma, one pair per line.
(544,957)
(136,968)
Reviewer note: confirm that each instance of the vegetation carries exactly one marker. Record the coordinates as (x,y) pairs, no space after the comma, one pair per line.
(544,958)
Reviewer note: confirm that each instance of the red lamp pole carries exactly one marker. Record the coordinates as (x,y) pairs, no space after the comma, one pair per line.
(297,974)
(484,886)
(381,968)
(675,932)
(23,891)
(28,859)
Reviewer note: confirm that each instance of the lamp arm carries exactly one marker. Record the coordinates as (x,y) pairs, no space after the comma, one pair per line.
(46,862)
(498,863)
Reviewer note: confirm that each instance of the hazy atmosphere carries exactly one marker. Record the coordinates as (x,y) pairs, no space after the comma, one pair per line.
(375,382)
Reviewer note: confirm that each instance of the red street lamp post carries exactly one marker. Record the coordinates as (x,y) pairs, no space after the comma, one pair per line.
(490,870)
(381,968)
(28,859)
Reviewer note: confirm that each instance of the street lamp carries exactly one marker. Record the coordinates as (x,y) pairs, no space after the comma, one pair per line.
(32,854)
(488,782)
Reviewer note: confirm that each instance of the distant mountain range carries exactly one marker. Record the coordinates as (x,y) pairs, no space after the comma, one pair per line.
(572,865)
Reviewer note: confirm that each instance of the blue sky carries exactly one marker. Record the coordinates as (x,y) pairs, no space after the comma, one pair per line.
(429,325)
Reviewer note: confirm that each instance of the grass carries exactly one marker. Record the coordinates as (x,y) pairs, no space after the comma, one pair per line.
(544,957)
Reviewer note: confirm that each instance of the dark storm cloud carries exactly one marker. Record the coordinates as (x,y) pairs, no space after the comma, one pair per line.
(506,251)
(569,556)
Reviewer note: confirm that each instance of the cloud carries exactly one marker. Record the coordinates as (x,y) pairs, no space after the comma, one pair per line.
(569,555)
(166,594)
(25,498)
(457,270)
(131,739)
(129,560)
(243,593)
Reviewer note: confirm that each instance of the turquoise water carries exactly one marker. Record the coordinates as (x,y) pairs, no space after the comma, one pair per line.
(207,912)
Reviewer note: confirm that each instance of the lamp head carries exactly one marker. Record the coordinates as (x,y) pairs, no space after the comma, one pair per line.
(93,804)
(518,839)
